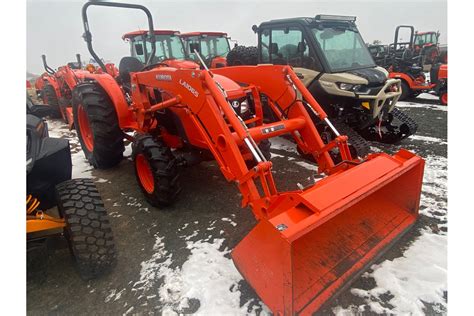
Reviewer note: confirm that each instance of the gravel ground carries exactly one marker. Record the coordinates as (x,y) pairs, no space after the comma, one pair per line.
(177,260)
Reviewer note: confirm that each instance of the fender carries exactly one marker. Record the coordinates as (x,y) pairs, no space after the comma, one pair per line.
(112,89)
(400,75)
(54,82)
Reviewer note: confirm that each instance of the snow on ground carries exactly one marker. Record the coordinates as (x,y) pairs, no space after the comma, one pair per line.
(429,139)
(406,104)
(208,282)
(419,277)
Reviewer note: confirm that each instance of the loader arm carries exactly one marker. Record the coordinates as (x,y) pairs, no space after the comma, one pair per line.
(203,107)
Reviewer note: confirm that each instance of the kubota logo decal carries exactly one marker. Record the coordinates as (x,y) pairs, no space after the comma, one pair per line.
(188,86)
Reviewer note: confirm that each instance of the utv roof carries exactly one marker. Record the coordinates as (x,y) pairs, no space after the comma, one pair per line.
(143,32)
(189,34)
(310,20)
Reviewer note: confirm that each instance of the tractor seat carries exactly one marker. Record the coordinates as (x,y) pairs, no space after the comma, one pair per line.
(127,65)
(415,70)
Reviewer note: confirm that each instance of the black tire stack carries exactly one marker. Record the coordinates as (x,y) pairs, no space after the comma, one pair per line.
(242,55)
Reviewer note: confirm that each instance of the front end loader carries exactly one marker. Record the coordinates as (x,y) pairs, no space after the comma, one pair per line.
(308,243)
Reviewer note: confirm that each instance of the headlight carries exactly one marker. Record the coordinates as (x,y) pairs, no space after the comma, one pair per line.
(244,106)
(345,86)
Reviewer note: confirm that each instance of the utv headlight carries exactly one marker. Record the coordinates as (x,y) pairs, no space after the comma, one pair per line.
(345,86)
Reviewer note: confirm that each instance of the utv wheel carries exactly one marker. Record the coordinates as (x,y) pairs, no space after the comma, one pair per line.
(406,91)
(50,98)
(241,55)
(407,125)
(156,171)
(358,146)
(97,127)
(87,230)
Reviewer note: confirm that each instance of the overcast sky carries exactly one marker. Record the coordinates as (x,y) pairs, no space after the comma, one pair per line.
(55,28)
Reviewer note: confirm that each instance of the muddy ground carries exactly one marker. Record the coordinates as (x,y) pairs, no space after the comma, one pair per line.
(208,211)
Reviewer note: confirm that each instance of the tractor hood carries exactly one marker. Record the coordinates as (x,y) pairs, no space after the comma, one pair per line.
(233,89)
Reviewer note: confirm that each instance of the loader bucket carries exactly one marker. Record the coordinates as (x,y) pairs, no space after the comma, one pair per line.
(315,242)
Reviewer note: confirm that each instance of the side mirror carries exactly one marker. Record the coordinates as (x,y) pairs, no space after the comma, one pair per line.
(194,47)
(139,49)
(301,47)
(274,48)
(255,28)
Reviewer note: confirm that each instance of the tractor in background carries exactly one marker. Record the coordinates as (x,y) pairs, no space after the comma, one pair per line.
(308,243)
(405,62)
(213,46)
(55,87)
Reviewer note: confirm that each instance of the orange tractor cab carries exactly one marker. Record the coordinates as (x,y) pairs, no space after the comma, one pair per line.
(307,243)
(427,45)
(213,47)
(406,64)
(169,48)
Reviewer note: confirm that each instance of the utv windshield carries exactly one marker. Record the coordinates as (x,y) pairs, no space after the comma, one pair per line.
(167,47)
(343,48)
(210,46)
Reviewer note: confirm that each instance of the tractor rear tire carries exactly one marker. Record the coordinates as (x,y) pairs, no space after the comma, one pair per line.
(97,127)
(88,231)
(156,170)
(242,55)
(406,91)
(50,98)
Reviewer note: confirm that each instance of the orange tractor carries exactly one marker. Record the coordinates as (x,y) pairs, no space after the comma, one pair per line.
(308,243)
(405,61)
(55,87)
(213,46)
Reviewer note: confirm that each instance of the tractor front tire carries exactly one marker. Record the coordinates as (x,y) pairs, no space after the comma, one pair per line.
(443,97)
(50,98)
(156,170)
(97,127)
(242,55)
(87,230)
(406,91)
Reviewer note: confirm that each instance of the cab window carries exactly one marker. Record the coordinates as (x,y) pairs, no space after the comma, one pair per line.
(286,46)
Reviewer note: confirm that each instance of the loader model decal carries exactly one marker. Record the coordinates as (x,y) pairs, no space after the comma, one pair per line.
(164,77)
(188,86)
